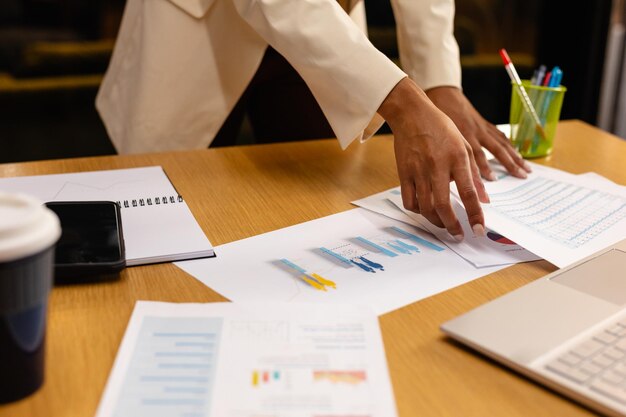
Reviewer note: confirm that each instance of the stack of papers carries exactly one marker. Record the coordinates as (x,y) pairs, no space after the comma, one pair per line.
(481,251)
(559,216)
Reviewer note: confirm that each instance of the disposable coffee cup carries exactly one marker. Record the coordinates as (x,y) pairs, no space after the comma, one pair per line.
(28,233)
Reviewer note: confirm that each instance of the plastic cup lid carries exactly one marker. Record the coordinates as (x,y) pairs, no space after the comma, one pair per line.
(26,226)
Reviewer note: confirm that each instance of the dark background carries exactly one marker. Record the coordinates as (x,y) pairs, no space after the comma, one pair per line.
(53,54)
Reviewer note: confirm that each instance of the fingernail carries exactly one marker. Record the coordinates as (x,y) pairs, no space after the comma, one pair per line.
(492,177)
(478,229)
(521,173)
(527,167)
(458,238)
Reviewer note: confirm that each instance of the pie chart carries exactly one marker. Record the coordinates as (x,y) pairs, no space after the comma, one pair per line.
(499,238)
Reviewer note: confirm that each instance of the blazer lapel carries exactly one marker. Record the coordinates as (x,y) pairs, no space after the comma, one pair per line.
(196,8)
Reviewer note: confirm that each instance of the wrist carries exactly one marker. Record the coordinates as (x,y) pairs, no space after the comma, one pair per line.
(404,99)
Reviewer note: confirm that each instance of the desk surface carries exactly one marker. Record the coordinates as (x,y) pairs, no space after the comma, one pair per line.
(243,191)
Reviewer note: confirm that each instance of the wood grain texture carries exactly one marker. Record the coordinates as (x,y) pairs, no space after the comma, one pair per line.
(242,191)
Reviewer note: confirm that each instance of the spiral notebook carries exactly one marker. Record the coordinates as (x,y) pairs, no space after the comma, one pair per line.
(158,225)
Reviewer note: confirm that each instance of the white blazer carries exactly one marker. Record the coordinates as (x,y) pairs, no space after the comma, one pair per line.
(179,66)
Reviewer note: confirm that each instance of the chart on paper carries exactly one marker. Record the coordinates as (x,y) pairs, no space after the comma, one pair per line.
(352,257)
(559,216)
(482,251)
(368,255)
(569,214)
(479,251)
(249,360)
(321,368)
(172,369)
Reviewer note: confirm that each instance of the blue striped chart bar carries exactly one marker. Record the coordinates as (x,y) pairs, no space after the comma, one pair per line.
(337,256)
(376,246)
(182,354)
(407,246)
(418,239)
(402,247)
(399,248)
(183,334)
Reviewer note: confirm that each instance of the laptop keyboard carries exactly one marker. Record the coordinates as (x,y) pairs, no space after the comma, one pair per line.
(598,363)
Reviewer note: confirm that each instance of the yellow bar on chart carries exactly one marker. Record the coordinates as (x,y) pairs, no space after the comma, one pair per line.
(313,283)
(324,280)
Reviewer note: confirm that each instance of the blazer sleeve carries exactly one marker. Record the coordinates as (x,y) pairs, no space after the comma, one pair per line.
(347,75)
(428,50)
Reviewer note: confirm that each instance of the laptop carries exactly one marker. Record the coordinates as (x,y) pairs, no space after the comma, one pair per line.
(566,330)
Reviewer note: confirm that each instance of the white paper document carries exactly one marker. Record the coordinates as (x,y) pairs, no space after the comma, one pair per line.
(355,257)
(559,216)
(249,360)
(156,222)
(490,250)
(381,203)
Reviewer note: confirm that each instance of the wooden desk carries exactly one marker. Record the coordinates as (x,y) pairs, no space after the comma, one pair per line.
(242,191)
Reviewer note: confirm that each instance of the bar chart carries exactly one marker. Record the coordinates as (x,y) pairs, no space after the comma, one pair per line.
(173,368)
(356,256)
(365,254)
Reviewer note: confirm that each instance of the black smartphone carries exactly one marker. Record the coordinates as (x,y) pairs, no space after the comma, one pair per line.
(91,247)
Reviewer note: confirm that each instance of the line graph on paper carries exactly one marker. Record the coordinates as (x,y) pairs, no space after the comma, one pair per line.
(564,212)
(114,185)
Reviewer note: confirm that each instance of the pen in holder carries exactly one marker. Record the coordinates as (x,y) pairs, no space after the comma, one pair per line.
(547,102)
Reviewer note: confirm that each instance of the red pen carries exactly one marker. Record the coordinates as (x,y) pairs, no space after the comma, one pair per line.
(526,103)
(546,81)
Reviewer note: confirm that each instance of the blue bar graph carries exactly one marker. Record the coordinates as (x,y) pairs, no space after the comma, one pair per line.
(337,256)
(376,246)
(418,239)
(371,264)
(407,246)
(363,266)
(292,265)
(399,248)
(172,370)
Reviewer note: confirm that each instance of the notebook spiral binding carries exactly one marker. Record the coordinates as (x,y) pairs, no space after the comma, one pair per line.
(156,201)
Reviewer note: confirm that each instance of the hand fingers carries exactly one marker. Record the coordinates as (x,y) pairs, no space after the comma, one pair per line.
(442,206)
(483,165)
(425,198)
(469,196)
(409,198)
(510,160)
(478,184)
(498,134)
(508,156)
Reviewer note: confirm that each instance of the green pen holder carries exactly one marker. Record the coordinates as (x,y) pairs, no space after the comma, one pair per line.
(526,137)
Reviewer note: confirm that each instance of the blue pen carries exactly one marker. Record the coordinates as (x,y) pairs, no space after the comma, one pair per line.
(556,75)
